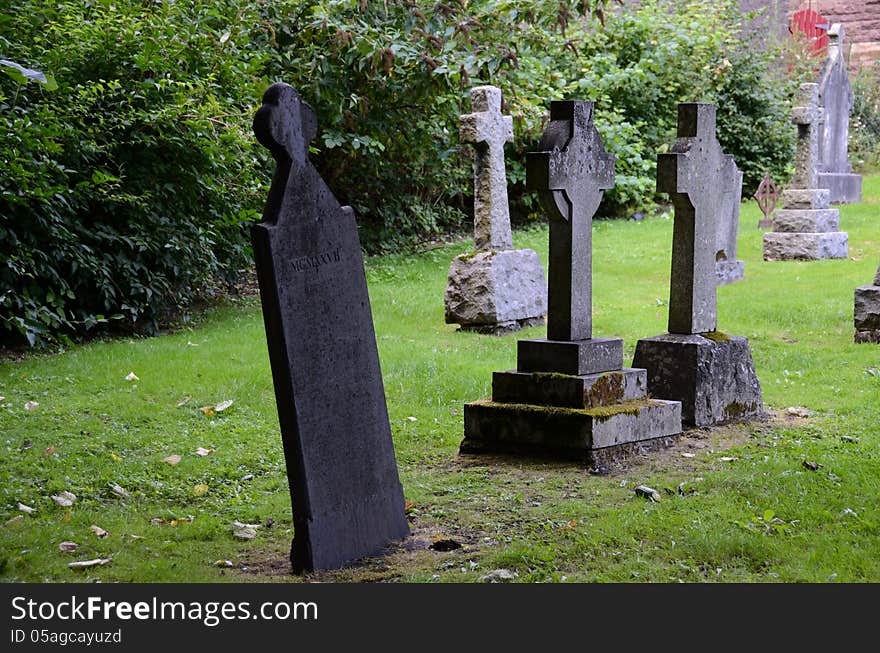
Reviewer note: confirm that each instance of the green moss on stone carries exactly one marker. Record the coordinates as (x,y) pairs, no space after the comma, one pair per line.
(470,255)
(541,377)
(716,336)
(599,413)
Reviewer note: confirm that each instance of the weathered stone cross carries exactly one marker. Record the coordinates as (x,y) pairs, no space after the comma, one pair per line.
(488,130)
(807,114)
(693,173)
(570,174)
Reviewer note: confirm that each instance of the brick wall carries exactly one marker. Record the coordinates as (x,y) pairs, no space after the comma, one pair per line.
(861,18)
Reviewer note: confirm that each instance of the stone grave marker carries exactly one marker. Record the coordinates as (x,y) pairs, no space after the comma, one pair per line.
(570,395)
(806,227)
(495,289)
(836,99)
(728,269)
(347,498)
(711,373)
(866,314)
(767,196)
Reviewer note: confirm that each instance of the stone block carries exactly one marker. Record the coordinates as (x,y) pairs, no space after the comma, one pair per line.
(806,220)
(845,188)
(486,289)
(867,308)
(714,379)
(565,390)
(566,432)
(805,246)
(570,356)
(806,198)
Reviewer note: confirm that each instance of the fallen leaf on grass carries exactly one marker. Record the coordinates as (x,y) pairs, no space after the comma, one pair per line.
(116,458)
(12,521)
(64,499)
(445,545)
(119,490)
(89,563)
(26,509)
(498,576)
(172,460)
(181,520)
(648,492)
(31,405)
(156,521)
(688,455)
(207,410)
(201,451)
(812,466)
(408,506)
(48,451)
(223,563)
(183,401)
(100,532)
(200,489)
(68,547)
(223,405)
(412,419)
(727,459)
(244,531)
(2,399)
(799,411)
(132,377)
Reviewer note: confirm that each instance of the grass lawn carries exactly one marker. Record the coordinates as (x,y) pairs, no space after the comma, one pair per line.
(741,505)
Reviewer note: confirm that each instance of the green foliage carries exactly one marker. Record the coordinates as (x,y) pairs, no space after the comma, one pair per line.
(865,121)
(130,185)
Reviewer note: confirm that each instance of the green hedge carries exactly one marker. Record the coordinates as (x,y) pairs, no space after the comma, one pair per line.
(128,188)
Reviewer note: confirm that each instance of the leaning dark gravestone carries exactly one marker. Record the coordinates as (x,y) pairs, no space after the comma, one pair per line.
(347,498)
(866,312)
(711,373)
(570,396)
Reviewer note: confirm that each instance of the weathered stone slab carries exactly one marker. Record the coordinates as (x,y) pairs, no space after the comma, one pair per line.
(727,268)
(570,357)
(347,498)
(691,174)
(806,198)
(490,289)
(729,271)
(867,308)
(714,379)
(805,246)
(565,390)
(566,432)
(806,220)
(843,188)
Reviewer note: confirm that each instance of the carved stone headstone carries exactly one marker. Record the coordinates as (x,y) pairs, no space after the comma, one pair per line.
(570,395)
(806,227)
(866,313)
(727,268)
(347,498)
(767,196)
(836,99)
(495,289)
(711,373)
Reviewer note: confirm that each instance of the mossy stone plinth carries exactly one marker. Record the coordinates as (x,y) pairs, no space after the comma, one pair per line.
(569,390)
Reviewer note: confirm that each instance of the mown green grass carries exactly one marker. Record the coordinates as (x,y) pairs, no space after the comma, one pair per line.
(748,511)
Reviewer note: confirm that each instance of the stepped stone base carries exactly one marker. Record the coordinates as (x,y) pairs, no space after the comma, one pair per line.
(866,314)
(496,292)
(805,246)
(590,435)
(570,356)
(714,379)
(845,188)
(806,220)
(806,198)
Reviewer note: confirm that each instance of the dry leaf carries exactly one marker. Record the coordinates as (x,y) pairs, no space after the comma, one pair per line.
(67,547)
(156,521)
(181,520)
(30,405)
(183,401)
(812,466)
(798,411)
(26,509)
(135,537)
(172,460)
(238,524)
(118,489)
(132,377)
(2,399)
(223,563)
(412,419)
(207,410)
(408,505)
(97,530)
(200,489)
(49,451)
(245,533)
(201,451)
(727,459)
(64,499)
(648,493)
(223,405)
(15,519)
(89,563)
(115,458)
(688,455)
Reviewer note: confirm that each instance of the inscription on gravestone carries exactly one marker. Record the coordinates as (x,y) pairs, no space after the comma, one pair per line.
(346,495)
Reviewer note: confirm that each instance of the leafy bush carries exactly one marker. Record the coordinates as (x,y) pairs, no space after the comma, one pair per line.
(865,122)
(128,188)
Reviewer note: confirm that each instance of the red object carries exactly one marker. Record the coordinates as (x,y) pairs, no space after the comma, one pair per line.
(814,26)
